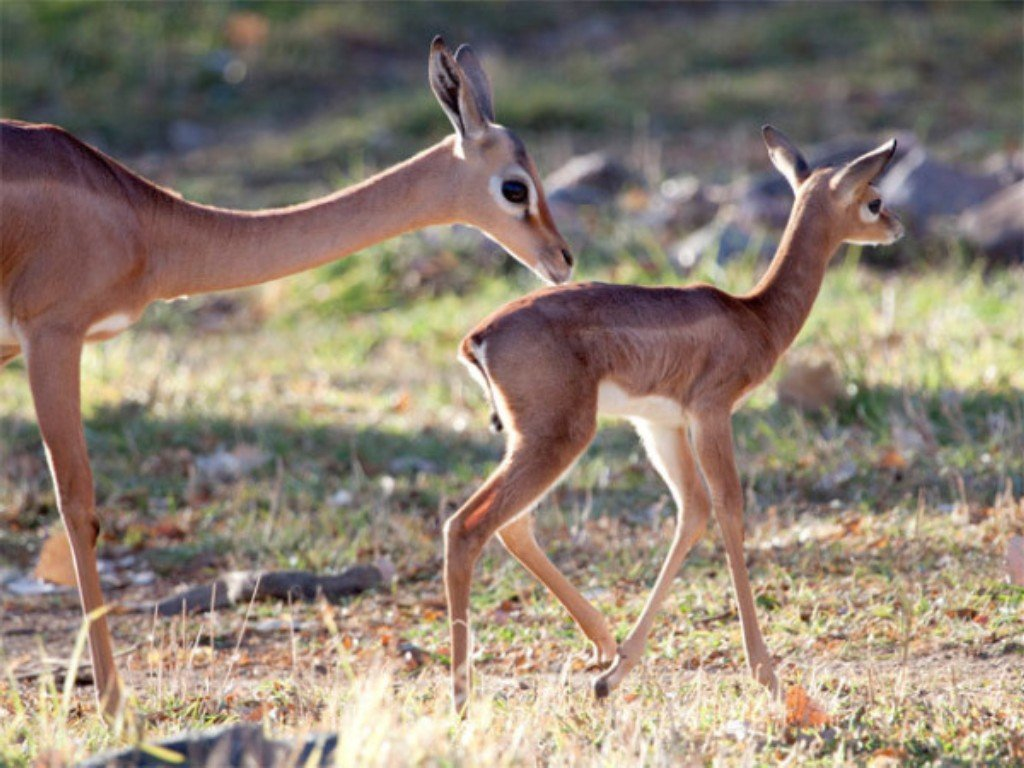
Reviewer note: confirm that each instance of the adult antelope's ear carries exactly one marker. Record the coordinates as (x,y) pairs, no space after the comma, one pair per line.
(479,85)
(453,91)
(862,171)
(786,157)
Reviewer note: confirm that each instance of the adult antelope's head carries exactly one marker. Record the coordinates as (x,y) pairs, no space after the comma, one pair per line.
(497,189)
(845,195)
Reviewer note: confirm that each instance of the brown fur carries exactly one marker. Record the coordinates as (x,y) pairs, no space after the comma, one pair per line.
(697,349)
(83,241)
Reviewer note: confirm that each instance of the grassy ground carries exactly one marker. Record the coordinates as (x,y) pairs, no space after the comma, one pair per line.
(876,530)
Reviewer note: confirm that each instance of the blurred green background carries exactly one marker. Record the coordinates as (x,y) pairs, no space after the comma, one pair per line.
(338,84)
(253,104)
(341,385)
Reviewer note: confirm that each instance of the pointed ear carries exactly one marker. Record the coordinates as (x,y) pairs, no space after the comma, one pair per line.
(862,171)
(786,157)
(449,85)
(479,85)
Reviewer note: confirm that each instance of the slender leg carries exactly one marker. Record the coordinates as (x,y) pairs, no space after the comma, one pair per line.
(518,538)
(672,456)
(713,444)
(54,361)
(528,471)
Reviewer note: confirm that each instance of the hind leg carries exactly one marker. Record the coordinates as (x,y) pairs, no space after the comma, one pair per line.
(531,466)
(519,540)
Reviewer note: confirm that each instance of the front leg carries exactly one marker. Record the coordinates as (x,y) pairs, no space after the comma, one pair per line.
(54,377)
(670,452)
(714,449)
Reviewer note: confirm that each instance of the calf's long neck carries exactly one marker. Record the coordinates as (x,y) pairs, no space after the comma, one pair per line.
(783,298)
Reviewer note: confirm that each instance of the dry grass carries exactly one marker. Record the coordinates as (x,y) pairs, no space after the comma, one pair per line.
(876,528)
(876,628)
(876,556)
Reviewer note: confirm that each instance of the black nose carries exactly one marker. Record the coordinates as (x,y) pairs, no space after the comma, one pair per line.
(567,256)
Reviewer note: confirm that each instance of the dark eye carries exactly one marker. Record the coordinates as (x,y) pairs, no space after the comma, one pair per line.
(514,191)
(875,206)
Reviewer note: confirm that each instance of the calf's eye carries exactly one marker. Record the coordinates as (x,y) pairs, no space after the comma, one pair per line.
(514,191)
(875,206)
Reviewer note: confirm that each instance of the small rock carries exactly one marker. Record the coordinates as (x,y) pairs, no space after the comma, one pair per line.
(242,586)
(142,578)
(271,626)
(231,745)
(387,569)
(229,466)
(1008,167)
(724,240)
(681,204)
(842,474)
(738,730)
(919,187)
(907,439)
(340,498)
(412,656)
(27,586)
(413,465)
(996,226)
(587,180)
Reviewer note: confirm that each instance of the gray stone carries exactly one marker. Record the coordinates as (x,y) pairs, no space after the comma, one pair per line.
(681,205)
(587,180)
(724,239)
(996,226)
(919,187)
(243,586)
(237,746)
(413,465)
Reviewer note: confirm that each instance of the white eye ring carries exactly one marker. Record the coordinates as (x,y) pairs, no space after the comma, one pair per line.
(513,209)
(866,214)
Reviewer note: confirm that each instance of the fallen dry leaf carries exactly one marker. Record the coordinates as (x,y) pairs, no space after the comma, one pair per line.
(887,757)
(892,459)
(402,402)
(802,711)
(55,564)
(169,527)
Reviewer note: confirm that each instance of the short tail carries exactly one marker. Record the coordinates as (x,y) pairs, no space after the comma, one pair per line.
(472,359)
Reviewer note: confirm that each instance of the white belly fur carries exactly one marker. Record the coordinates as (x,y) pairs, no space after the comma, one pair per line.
(613,400)
(109,325)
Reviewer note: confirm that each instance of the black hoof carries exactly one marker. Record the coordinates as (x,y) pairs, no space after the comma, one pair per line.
(601,689)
